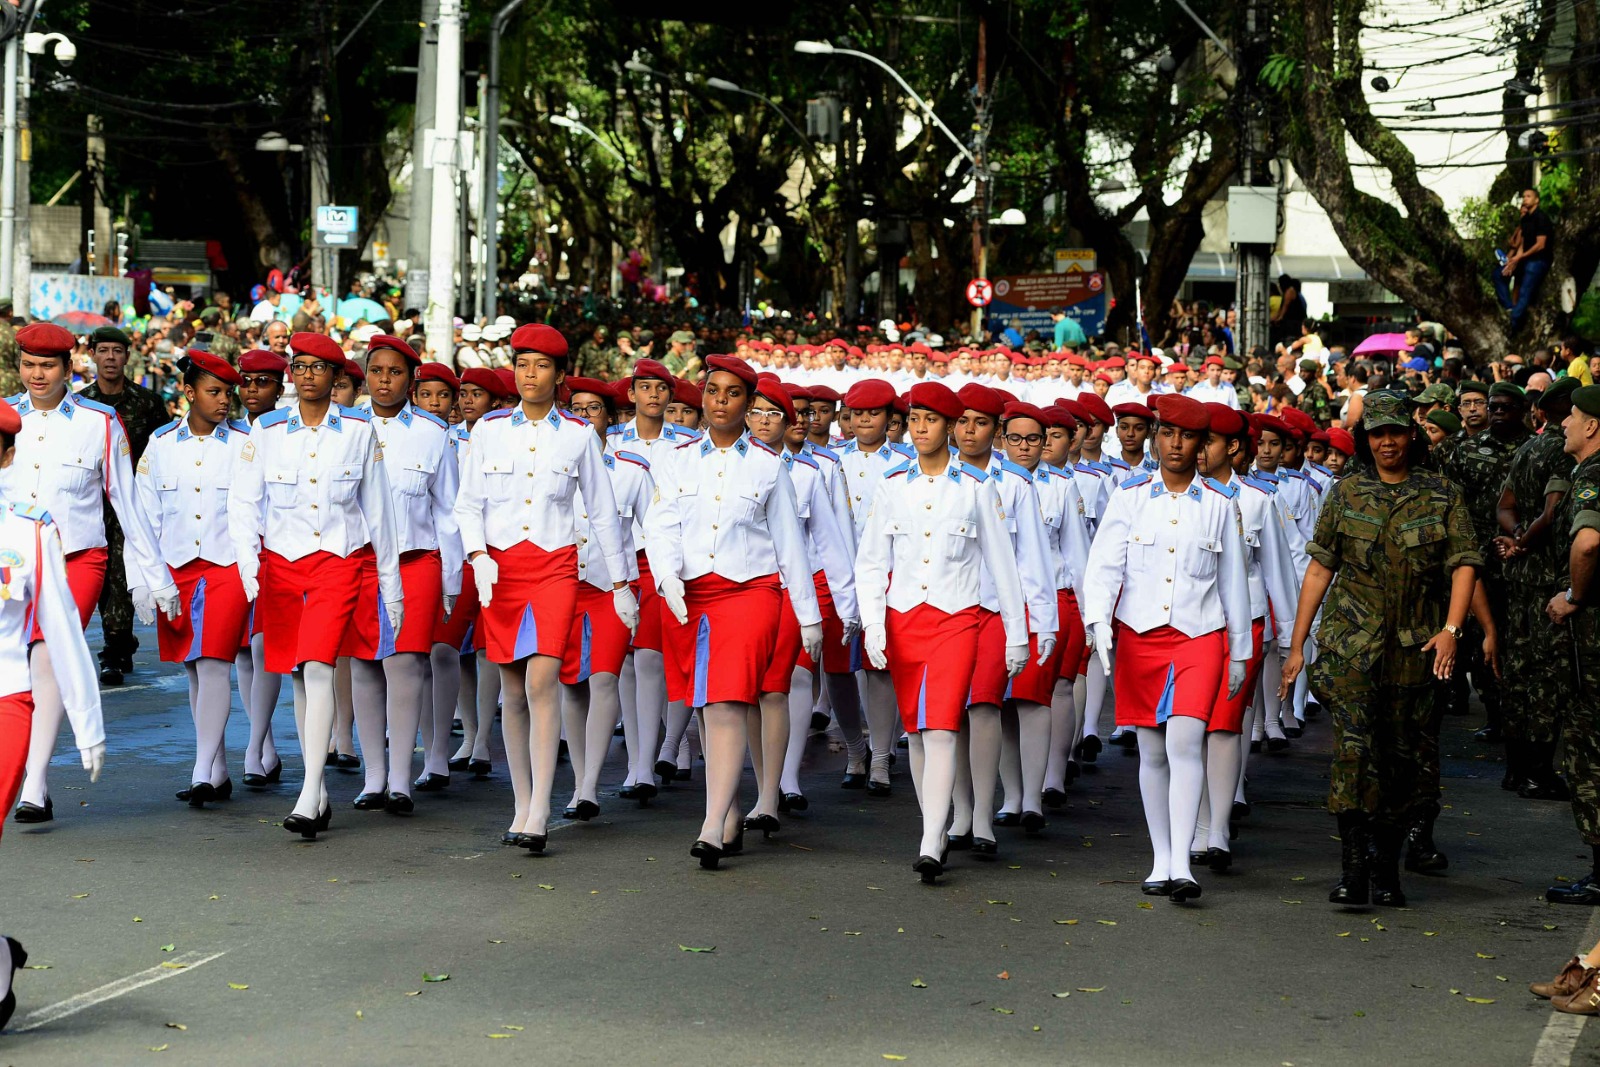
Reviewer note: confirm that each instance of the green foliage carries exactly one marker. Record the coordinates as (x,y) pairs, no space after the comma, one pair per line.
(1586,317)
(1281,73)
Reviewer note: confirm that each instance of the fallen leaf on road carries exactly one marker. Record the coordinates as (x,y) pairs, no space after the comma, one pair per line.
(1499,978)
(1004,976)
(917,983)
(543,885)
(80,896)
(1066,922)
(1105,922)
(1298,878)
(508,1026)
(1480,1000)
(1379,926)
(426,977)
(689,948)
(359,1015)
(1291,901)
(1366,939)
(137,919)
(1455,992)
(1361,1015)
(892,1056)
(1345,934)
(1036,1029)
(1061,996)
(176,1026)
(168,948)
(213,897)
(415,993)
(497,1035)
(1007,903)
(852,933)
(1485,955)
(38,967)
(159,1048)
(175,966)
(1003,1011)
(1091,989)
(1146,905)
(1549,926)
(1430,933)
(237,985)
(494,941)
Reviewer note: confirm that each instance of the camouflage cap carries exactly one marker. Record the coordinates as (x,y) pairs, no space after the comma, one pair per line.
(1384,409)
(682,337)
(1437,393)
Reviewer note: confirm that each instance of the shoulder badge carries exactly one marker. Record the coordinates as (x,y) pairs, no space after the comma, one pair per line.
(1587,493)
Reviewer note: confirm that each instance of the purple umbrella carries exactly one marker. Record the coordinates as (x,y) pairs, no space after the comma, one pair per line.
(81,322)
(1383,344)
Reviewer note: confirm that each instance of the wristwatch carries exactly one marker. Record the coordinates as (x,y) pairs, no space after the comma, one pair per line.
(1453,631)
(1572,599)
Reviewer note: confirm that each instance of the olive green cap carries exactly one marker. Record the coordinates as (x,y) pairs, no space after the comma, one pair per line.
(1310,364)
(1472,387)
(1230,363)
(1446,420)
(1384,409)
(682,337)
(1587,400)
(108,335)
(1511,389)
(1560,392)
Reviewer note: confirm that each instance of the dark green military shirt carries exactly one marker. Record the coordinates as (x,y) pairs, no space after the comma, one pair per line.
(1541,466)
(1479,464)
(142,411)
(1392,549)
(1580,510)
(606,364)
(10,375)
(1316,402)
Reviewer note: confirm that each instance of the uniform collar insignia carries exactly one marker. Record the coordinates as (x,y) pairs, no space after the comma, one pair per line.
(1157,487)
(405,415)
(67,407)
(25,405)
(554,418)
(517,417)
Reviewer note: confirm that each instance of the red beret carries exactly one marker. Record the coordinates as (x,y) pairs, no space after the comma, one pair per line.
(1341,440)
(45,339)
(508,382)
(732,365)
(1144,357)
(1320,436)
(589,385)
(797,392)
(902,404)
(383,340)
(1095,406)
(352,368)
(438,372)
(982,399)
(937,398)
(215,366)
(687,393)
(1019,410)
(868,394)
(1077,360)
(487,380)
(1270,423)
(652,369)
(1102,376)
(1132,411)
(1299,423)
(262,361)
(1006,395)
(1229,422)
(10,421)
(1059,415)
(318,346)
(1075,408)
(1184,412)
(825,392)
(537,337)
(770,389)
(1113,361)
(1212,361)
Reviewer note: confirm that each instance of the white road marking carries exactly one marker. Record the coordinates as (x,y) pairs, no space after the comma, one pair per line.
(112,990)
(1561,1031)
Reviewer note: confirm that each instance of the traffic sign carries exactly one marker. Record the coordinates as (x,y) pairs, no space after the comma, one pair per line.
(979,292)
(336,226)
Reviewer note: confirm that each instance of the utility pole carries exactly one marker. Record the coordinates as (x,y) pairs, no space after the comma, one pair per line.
(443,149)
(89,242)
(490,114)
(980,173)
(20,247)
(8,166)
(417,225)
(323,260)
(1253,259)
(852,204)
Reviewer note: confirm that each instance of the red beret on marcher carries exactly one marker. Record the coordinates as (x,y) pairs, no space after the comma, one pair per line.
(262,361)
(1006,396)
(215,366)
(1320,436)
(383,340)
(1341,440)
(1059,416)
(439,372)
(1299,423)
(686,393)
(1076,409)
(45,339)
(869,394)
(982,399)
(353,369)
(797,392)
(1113,361)
(317,346)
(732,365)
(1095,406)
(508,382)
(10,421)
(1184,412)
(901,404)
(772,391)
(537,337)
(1144,357)
(487,380)
(1133,411)
(1229,422)
(652,369)
(1212,361)
(1019,410)
(825,392)
(588,385)
(1270,423)
(937,398)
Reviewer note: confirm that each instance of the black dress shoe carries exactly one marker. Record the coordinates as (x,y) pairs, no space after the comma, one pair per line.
(795,801)
(734,847)
(985,848)
(534,843)
(1294,732)
(510,838)
(1277,744)
(272,777)
(819,722)
(480,768)
(767,824)
(399,804)
(458,764)
(708,854)
(958,842)
(1074,772)
(1199,859)
(586,810)
(430,783)
(929,868)
(628,792)
(1219,859)
(1054,798)
(34,813)
(110,676)
(1241,810)
(1089,749)
(665,770)
(344,762)
(570,811)
(1008,818)
(1159,888)
(370,802)
(853,780)
(682,774)
(1552,788)
(1255,746)
(199,793)
(1183,890)
(305,826)
(19,960)
(1585,890)
(225,790)
(1489,735)
(1033,822)
(879,789)
(561,751)
(644,793)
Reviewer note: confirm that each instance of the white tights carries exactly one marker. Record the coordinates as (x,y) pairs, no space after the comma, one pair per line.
(260,701)
(800,708)
(480,696)
(530,726)
(210,695)
(1094,694)
(313,721)
(1172,774)
(1267,701)
(883,722)
(48,712)
(933,772)
(768,731)
(1064,728)
(982,767)
(723,739)
(845,696)
(589,711)
(1033,746)
(444,662)
(1223,756)
(649,675)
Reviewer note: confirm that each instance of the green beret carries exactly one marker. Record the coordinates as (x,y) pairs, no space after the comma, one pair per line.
(108,335)
(1384,408)
(1560,392)
(1310,364)
(1446,420)
(1229,363)
(1511,389)
(1472,387)
(1587,400)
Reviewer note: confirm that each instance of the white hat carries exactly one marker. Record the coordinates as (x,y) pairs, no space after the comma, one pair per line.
(363,334)
(495,333)
(507,323)
(470,332)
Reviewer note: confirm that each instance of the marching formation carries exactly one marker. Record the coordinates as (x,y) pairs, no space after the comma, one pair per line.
(962,574)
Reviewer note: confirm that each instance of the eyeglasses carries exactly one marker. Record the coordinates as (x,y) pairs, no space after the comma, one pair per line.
(764,415)
(260,381)
(317,368)
(1024,439)
(596,408)
(1502,407)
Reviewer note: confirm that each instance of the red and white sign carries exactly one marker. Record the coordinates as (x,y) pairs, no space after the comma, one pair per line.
(979,292)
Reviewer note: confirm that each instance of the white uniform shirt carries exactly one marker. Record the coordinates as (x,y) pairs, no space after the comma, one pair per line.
(1094,487)
(1171,559)
(863,476)
(421,464)
(1301,499)
(1066,524)
(927,541)
(521,483)
(656,452)
(833,478)
(632,489)
(1030,545)
(830,543)
(730,511)
(1125,392)
(1274,580)
(302,489)
(183,482)
(69,460)
(33,587)
(1221,393)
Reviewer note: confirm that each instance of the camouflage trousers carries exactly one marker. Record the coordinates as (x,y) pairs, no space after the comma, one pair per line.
(1580,733)
(1385,742)
(1536,667)
(116,605)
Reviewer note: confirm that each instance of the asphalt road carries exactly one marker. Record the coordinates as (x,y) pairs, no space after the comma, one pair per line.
(216,937)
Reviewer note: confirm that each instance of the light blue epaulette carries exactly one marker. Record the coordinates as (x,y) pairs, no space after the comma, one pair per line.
(1258,484)
(240,426)
(899,468)
(1230,491)
(612,431)
(1017,469)
(632,457)
(1136,481)
(801,457)
(169,427)
(275,417)
(359,414)
(825,453)
(431,417)
(498,413)
(976,473)
(28,511)
(94,405)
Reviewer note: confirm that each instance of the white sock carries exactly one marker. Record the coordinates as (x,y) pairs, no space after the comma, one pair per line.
(1302,689)
(1034,726)
(409,681)
(938,786)
(369,698)
(983,744)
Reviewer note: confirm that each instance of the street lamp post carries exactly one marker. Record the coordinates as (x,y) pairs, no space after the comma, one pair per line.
(489,240)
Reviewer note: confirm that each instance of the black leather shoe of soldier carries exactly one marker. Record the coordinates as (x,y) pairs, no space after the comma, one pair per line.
(1585,890)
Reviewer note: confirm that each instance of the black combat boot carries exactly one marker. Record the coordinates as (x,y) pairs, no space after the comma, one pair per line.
(1516,776)
(1386,866)
(1354,871)
(1539,778)
(1422,855)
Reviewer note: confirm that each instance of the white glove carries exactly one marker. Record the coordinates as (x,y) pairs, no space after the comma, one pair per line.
(1099,637)
(851,628)
(1236,671)
(249,572)
(1047,645)
(875,639)
(627,606)
(449,605)
(94,759)
(168,601)
(397,615)
(671,588)
(485,572)
(811,641)
(1016,659)
(144,605)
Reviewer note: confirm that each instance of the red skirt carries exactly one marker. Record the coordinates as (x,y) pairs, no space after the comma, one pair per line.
(989,681)
(1166,672)
(1037,684)
(16,722)
(305,607)
(86,577)
(369,635)
(213,616)
(730,637)
(651,609)
(530,611)
(459,631)
(836,655)
(598,641)
(1075,656)
(1228,715)
(931,655)
(787,652)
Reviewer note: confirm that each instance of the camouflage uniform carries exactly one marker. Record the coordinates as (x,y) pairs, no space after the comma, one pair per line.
(1581,733)
(142,413)
(1316,402)
(10,354)
(606,364)
(1392,548)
